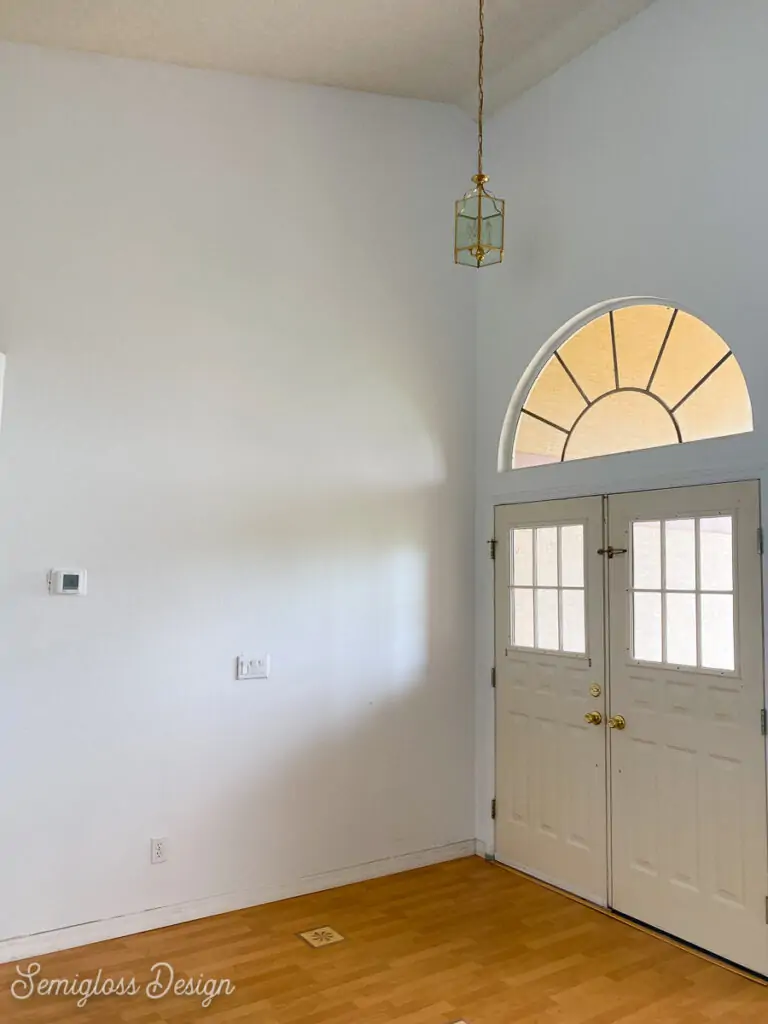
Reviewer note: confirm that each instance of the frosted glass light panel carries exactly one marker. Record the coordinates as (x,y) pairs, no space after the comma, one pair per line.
(547,592)
(640,377)
(479,229)
(682,592)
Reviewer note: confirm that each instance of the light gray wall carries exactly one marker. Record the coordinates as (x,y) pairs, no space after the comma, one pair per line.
(239,392)
(639,169)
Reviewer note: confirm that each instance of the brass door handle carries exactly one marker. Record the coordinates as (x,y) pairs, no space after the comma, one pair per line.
(617,722)
(593,717)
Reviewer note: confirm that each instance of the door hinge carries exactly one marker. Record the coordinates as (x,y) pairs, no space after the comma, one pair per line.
(766,909)
(493,678)
(612,551)
(764,722)
(492,549)
(493,809)
(760,547)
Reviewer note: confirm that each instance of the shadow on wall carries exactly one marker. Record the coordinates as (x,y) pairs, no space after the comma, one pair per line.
(361,591)
(357,748)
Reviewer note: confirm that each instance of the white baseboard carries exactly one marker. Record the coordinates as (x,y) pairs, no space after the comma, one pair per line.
(26,946)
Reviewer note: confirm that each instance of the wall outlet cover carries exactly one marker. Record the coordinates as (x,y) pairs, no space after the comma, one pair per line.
(253,668)
(158,850)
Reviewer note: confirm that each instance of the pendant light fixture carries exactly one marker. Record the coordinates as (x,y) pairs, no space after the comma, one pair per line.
(479,239)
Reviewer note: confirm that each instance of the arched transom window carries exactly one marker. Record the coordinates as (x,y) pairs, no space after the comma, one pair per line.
(640,376)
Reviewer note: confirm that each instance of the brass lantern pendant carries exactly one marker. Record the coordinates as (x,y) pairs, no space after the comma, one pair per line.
(479,227)
(479,240)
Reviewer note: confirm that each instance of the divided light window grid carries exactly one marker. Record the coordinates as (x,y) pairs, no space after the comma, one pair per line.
(683,592)
(547,594)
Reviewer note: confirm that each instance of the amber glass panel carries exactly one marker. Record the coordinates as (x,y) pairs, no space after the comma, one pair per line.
(640,332)
(629,420)
(536,443)
(692,350)
(589,355)
(721,406)
(555,397)
(621,422)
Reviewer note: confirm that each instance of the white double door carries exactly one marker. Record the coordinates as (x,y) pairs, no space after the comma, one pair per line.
(630,755)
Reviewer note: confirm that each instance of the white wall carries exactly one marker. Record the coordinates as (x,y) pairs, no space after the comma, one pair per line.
(239,392)
(639,169)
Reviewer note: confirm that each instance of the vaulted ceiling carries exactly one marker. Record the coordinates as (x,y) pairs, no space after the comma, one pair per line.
(424,49)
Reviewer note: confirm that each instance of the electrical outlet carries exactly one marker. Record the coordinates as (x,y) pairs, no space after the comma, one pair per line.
(253,668)
(158,853)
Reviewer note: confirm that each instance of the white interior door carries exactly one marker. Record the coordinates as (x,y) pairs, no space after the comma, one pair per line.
(550,763)
(688,788)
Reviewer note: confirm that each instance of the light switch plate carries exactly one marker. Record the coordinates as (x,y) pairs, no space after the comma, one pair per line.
(253,668)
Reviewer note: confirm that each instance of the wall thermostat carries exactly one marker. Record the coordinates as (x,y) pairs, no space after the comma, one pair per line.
(64,582)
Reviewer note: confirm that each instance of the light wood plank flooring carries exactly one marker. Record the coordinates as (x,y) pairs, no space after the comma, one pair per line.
(464,940)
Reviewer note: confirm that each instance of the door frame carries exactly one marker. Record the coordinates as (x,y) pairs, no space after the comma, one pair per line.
(566,493)
(725,460)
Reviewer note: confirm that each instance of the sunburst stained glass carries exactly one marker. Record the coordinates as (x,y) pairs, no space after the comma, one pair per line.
(642,376)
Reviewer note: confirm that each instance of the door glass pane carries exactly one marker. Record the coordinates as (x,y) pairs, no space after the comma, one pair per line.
(546,556)
(647,626)
(522,618)
(717,646)
(547,625)
(547,588)
(574,631)
(522,558)
(680,554)
(716,553)
(681,629)
(684,612)
(646,551)
(572,556)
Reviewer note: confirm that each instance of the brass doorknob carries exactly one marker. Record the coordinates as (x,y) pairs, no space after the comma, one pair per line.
(617,722)
(593,717)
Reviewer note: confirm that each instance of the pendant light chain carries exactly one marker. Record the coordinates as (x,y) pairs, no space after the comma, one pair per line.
(479,214)
(481,90)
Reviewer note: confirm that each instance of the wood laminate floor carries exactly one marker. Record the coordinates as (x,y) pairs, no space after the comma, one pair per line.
(460,941)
